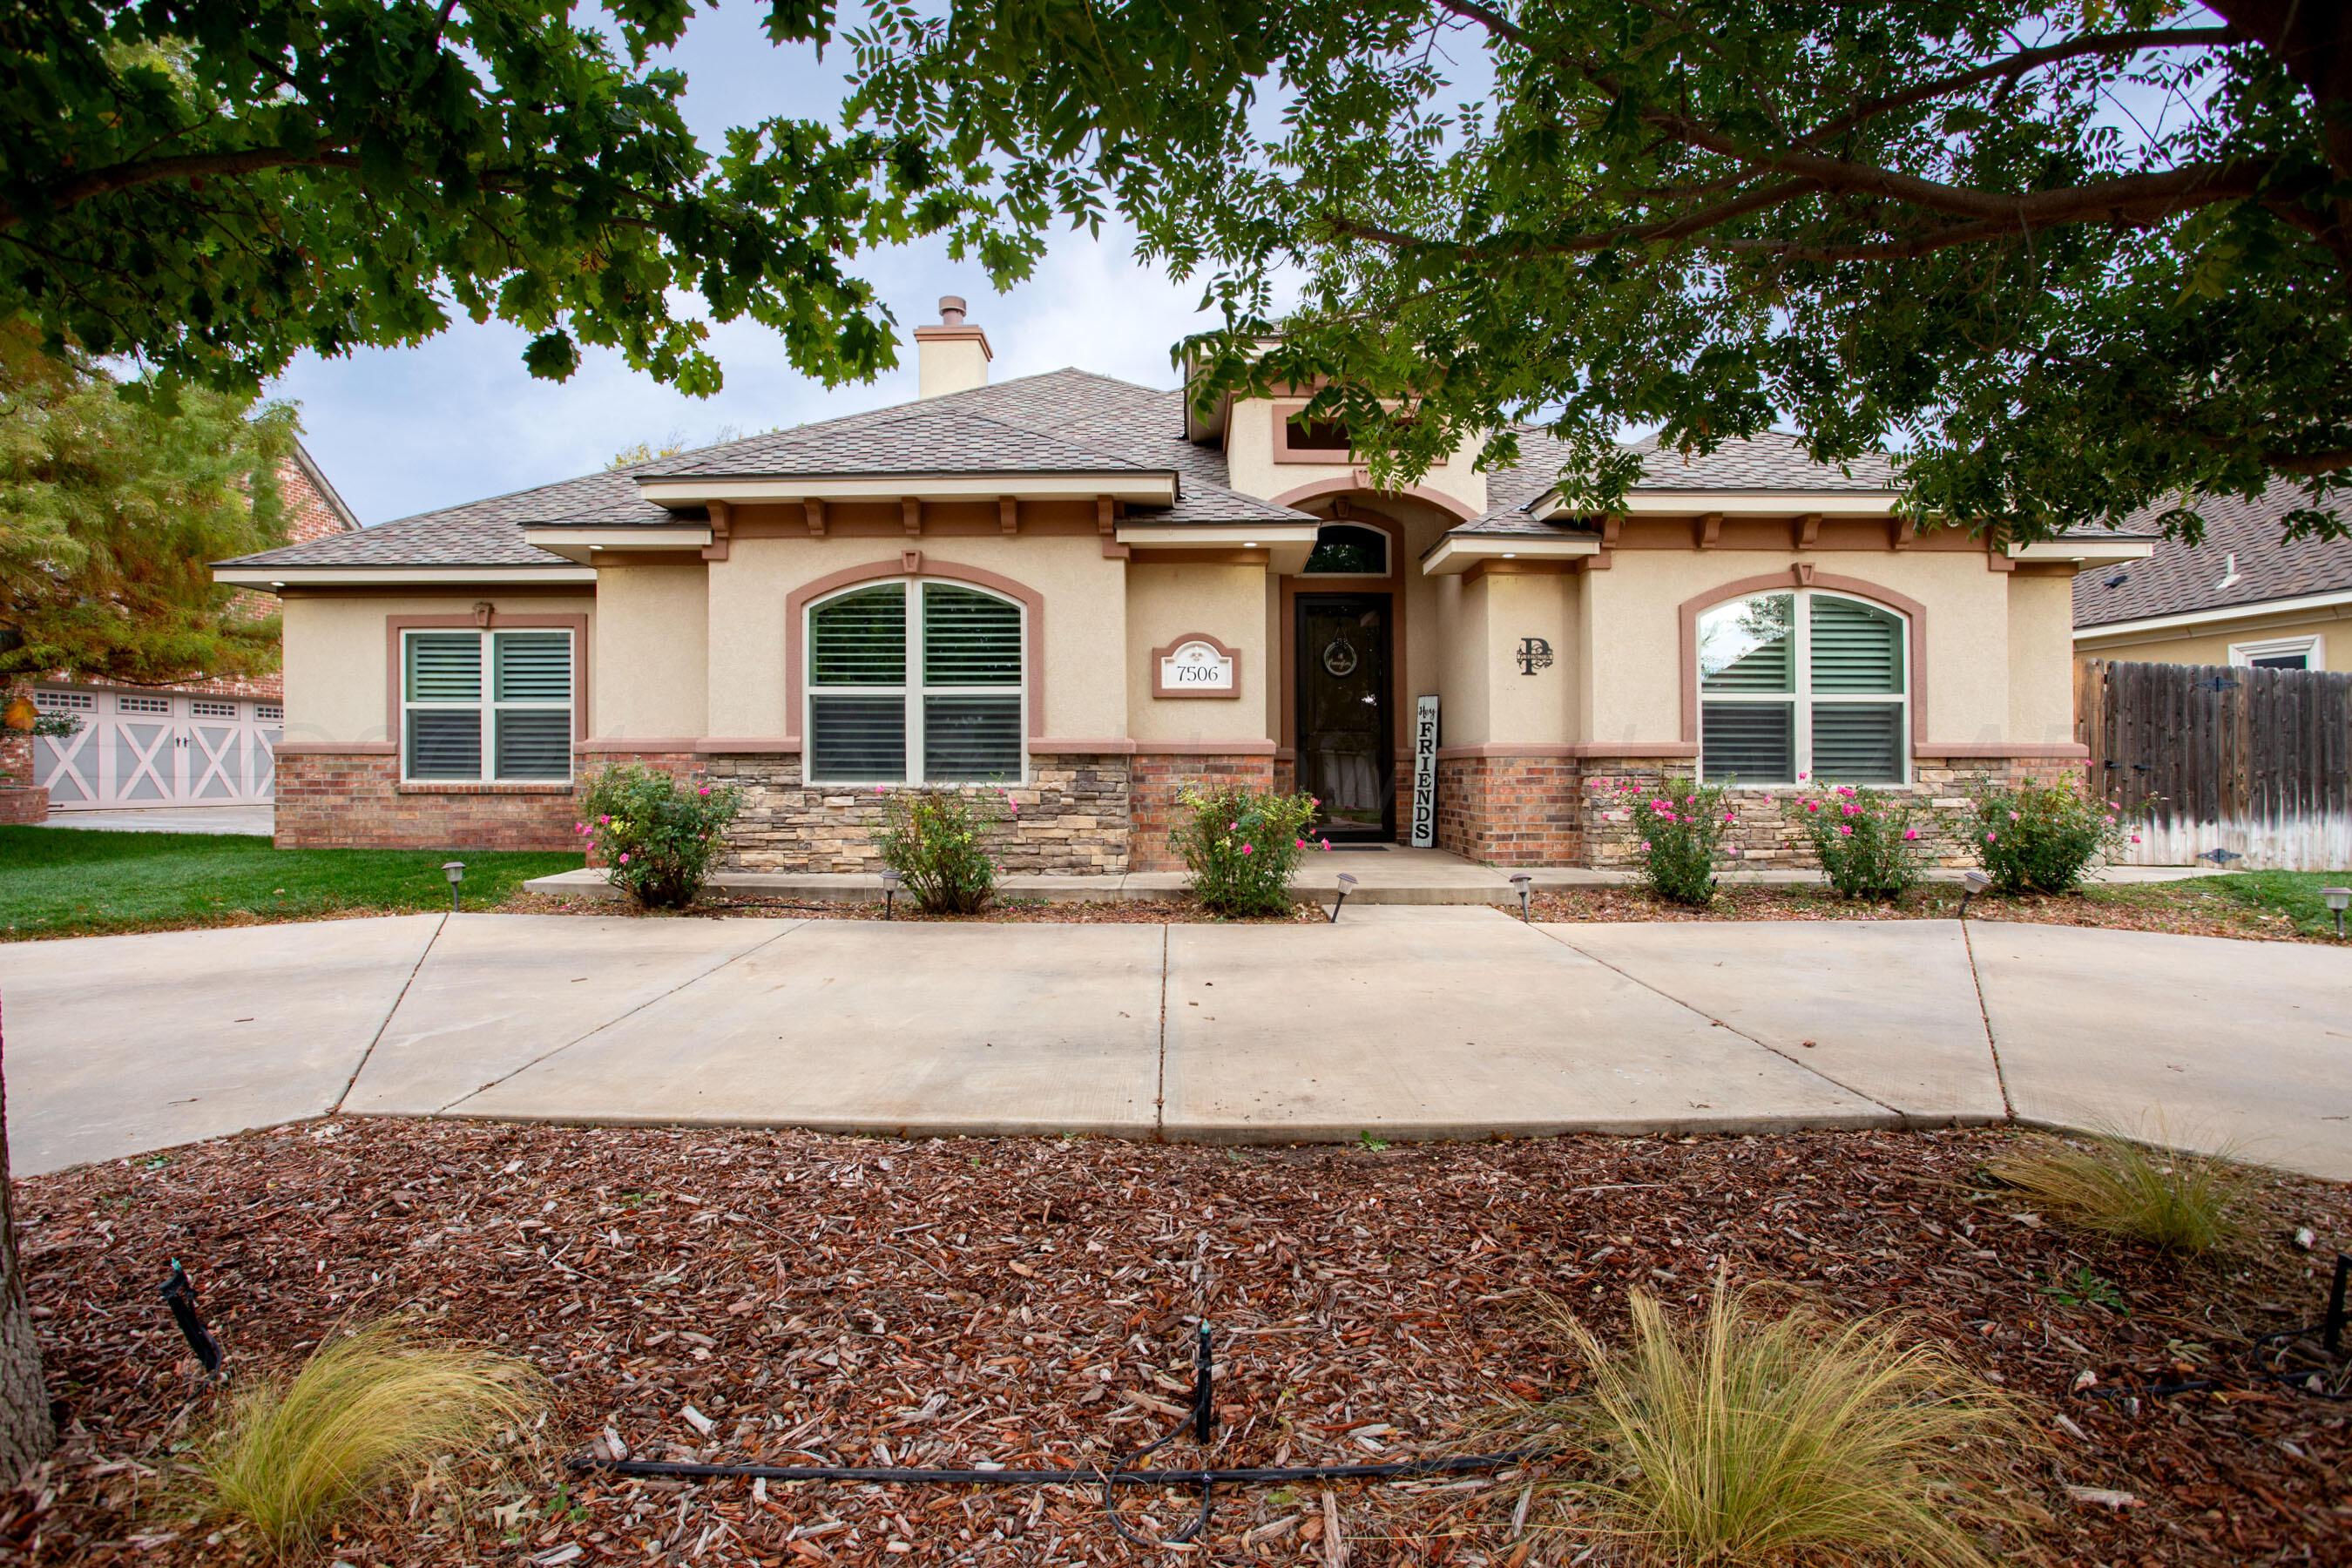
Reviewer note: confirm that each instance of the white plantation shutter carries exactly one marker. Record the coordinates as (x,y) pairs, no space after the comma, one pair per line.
(1806,682)
(917,683)
(487,706)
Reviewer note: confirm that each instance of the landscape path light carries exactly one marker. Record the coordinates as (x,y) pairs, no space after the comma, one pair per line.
(1521,884)
(456,871)
(1346,882)
(2338,901)
(891,883)
(1977,883)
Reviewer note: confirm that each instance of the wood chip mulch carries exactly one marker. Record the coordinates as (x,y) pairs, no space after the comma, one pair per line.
(1001,911)
(790,1297)
(2178,909)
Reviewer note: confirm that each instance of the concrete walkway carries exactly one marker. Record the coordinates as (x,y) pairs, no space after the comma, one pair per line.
(1401,1021)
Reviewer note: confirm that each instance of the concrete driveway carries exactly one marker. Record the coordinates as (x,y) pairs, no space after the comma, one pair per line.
(1398,1021)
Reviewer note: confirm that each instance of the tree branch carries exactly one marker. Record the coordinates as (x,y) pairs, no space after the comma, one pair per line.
(184,166)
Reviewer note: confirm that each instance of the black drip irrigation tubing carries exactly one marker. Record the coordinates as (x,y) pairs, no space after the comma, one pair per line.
(1200,1420)
(2310,1382)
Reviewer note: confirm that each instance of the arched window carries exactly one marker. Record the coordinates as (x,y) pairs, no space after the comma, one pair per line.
(1803,681)
(1348,550)
(915,682)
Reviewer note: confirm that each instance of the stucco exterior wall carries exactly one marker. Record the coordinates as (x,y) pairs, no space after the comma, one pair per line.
(1251,468)
(2040,668)
(1524,708)
(1631,675)
(1461,660)
(1165,603)
(336,674)
(652,659)
(1084,622)
(2211,646)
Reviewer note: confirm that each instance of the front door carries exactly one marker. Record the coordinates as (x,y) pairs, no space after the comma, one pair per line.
(1347,736)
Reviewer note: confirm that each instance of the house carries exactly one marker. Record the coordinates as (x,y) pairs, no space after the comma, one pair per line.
(1082,593)
(2243,596)
(197,743)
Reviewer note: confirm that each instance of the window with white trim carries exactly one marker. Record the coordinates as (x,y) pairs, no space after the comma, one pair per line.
(486,707)
(1803,681)
(2279,653)
(916,681)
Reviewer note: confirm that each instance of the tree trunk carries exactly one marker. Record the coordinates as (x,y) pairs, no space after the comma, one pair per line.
(26,1432)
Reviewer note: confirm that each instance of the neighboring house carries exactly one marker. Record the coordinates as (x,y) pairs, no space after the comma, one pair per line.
(199,743)
(2243,596)
(1075,590)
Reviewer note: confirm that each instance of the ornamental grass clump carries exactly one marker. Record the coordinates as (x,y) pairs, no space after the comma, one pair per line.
(1679,826)
(1865,842)
(1241,847)
(2042,838)
(382,1407)
(657,837)
(1748,1437)
(937,840)
(2113,1185)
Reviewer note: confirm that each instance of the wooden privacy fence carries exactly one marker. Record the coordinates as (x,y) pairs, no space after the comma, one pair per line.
(2206,758)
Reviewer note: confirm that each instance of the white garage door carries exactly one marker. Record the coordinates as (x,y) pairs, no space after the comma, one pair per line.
(156,748)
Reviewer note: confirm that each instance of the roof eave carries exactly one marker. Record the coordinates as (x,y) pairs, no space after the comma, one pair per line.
(272,578)
(2339,599)
(1138,486)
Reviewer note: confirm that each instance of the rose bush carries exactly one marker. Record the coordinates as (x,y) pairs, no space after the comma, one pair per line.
(1865,840)
(1241,847)
(1680,824)
(2042,838)
(657,837)
(936,840)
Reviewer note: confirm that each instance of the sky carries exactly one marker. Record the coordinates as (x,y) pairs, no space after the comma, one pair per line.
(400,431)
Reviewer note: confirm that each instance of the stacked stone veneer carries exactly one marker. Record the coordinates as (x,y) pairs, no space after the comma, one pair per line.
(1073,817)
(1766,836)
(355,799)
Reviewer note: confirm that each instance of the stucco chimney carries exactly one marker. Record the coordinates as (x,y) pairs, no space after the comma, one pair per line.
(952,357)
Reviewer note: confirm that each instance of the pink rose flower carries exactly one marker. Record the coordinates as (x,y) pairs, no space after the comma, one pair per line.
(704,790)
(1298,844)
(1812,805)
(1910,833)
(1233,826)
(2014,817)
(1327,844)
(1845,830)
(1991,837)
(604,822)
(1800,778)
(1246,848)
(1728,818)
(624,857)
(2135,838)
(1645,845)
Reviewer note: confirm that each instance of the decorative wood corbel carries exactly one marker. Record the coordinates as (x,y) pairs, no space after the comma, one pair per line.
(1809,530)
(1107,524)
(910,512)
(720,515)
(814,510)
(1904,534)
(1708,531)
(1008,515)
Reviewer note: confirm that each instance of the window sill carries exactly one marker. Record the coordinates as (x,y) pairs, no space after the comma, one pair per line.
(457,786)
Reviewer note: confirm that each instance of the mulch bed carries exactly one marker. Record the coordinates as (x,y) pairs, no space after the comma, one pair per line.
(1001,911)
(1027,1302)
(2123,906)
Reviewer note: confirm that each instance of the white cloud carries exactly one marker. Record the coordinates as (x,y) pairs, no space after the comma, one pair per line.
(457,419)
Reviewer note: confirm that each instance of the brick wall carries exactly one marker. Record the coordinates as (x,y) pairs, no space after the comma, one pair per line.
(1509,811)
(1159,781)
(1072,818)
(356,800)
(23,805)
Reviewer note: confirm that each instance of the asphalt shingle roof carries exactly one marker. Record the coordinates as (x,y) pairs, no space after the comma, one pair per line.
(2180,578)
(1773,461)
(1063,420)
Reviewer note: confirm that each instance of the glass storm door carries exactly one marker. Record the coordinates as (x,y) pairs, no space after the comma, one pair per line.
(1347,736)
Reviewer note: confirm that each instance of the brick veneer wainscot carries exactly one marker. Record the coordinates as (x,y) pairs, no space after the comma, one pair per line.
(1510,811)
(1160,780)
(343,800)
(1073,821)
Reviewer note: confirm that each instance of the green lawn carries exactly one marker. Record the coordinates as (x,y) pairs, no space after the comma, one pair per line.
(64,882)
(2295,894)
